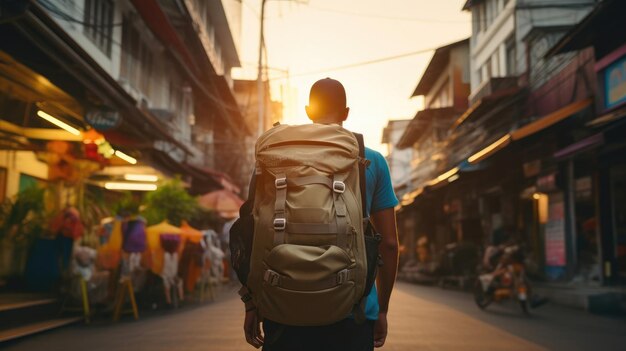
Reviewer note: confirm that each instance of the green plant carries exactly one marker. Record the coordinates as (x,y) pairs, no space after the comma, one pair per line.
(126,205)
(23,219)
(170,201)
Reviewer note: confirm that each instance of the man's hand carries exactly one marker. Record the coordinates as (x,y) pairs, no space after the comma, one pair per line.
(252,329)
(380,330)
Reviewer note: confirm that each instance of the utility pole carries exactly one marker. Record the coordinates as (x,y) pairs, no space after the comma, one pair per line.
(260,85)
(260,90)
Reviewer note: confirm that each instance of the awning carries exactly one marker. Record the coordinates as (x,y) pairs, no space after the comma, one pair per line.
(550,119)
(490,104)
(422,122)
(489,150)
(608,118)
(223,179)
(580,146)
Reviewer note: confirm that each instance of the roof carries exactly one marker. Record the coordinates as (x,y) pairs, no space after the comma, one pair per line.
(470,3)
(437,64)
(604,20)
(420,124)
(222,31)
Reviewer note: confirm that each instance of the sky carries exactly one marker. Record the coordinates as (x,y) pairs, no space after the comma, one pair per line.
(306,38)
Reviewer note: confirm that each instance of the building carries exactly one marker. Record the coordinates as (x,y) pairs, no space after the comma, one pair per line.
(99,96)
(246,94)
(445,87)
(598,175)
(399,160)
(116,49)
(506,175)
(94,93)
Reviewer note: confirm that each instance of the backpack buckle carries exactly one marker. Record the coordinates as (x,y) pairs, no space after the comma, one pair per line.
(342,276)
(339,186)
(272,278)
(281,183)
(280,224)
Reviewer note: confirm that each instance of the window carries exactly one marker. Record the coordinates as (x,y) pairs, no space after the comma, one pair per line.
(491,11)
(495,65)
(510,57)
(485,71)
(99,23)
(482,17)
(136,66)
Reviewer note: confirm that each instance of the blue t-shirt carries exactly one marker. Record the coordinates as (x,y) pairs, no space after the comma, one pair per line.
(379,196)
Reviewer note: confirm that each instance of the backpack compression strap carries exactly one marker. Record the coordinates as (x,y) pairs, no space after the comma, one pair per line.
(363,162)
(359,309)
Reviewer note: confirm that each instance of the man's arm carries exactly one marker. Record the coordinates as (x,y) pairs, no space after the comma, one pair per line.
(384,222)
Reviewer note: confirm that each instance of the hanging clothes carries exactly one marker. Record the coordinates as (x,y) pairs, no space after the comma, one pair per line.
(191,261)
(105,230)
(109,254)
(68,224)
(134,234)
(170,243)
(155,251)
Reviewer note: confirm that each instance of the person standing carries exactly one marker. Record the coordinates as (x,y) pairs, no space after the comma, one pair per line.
(327,105)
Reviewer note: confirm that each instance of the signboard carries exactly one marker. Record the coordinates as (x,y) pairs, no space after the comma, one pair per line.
(615,83)
(555,232)
(547,183)
(532,168)
(102,119)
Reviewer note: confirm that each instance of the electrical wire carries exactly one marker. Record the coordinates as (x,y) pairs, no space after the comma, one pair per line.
(55,10)
(383,17)
(362,63)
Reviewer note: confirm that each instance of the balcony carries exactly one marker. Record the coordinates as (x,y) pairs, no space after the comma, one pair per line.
(492,86)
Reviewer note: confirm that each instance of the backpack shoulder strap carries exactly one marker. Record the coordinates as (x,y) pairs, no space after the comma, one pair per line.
(362,165)
(246,208)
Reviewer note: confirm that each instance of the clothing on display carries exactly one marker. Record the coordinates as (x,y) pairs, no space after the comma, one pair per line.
(155,250)
(134,235)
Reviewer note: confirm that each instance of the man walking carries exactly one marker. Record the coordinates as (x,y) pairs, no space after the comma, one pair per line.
(327,105)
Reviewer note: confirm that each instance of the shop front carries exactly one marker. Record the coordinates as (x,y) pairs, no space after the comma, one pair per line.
(611,108)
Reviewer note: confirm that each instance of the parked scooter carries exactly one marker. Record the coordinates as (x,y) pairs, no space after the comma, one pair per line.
(507,281)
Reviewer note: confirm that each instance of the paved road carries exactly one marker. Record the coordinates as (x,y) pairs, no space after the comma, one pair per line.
(421,318)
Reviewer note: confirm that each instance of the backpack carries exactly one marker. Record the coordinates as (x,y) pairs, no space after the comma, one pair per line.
(303,245)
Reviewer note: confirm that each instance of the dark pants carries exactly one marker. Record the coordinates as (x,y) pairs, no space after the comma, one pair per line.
(344,335)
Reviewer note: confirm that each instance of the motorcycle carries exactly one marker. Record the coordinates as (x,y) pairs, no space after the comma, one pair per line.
(507,281)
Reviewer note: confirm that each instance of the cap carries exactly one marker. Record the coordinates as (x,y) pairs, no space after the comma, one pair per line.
(327,96)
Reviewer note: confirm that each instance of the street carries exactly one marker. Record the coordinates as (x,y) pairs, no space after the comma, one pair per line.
(420,318)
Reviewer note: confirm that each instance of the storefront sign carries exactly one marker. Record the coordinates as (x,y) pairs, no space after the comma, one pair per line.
(103,120)
(547,182)
(583,188)
(615,83)
(555,233)
(532,168)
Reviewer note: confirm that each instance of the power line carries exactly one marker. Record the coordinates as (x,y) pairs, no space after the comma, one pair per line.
(56,11)
(364,63)
(383,17)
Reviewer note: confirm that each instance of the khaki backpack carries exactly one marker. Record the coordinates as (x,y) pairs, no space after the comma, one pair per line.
(308,263)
